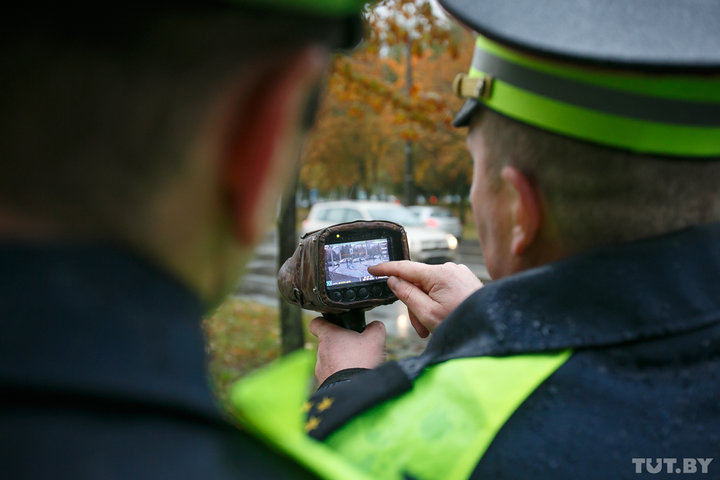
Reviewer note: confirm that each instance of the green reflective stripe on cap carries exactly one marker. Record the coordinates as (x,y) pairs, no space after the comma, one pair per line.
(320,7)
(442,427)
(644,112)
(678,86)
(269,404)
(599,97)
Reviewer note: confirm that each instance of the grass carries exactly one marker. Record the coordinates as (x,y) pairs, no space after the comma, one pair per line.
(243,335)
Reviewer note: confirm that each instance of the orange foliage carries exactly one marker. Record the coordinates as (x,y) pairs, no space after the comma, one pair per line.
(368,111)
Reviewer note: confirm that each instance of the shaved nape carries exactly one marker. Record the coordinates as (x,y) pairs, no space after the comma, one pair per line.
(598,195)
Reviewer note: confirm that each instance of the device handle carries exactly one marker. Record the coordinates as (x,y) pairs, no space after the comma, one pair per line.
(352,320)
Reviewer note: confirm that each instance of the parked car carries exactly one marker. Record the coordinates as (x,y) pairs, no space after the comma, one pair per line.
(439,218)
(426,244)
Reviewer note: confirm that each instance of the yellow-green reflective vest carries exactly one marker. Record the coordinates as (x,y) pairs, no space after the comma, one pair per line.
(437,430)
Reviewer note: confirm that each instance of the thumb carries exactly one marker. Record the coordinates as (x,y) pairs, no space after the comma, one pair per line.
(319,326)
(375,329)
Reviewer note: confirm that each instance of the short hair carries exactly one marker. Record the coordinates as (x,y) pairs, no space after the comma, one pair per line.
(96,111)
(598,195)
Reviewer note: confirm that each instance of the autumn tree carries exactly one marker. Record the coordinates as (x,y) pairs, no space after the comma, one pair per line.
(369,114)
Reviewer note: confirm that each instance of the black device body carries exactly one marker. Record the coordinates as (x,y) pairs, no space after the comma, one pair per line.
(328,272)
(347,257)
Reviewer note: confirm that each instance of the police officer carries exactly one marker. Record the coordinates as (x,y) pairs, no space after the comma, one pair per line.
(595,133)
(142,146)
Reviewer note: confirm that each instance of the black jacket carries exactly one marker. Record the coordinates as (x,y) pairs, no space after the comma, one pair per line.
(102,374)
(643,382)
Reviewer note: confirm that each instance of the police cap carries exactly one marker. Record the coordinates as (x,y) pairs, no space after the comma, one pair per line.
(319,7)
(45,13)
(349,10)
(639,75)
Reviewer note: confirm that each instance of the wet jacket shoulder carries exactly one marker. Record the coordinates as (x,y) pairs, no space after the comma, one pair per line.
(102,374)
(630,335)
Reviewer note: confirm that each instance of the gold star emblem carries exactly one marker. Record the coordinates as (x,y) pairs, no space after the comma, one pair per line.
(312,424)
(325,404)
(306,407)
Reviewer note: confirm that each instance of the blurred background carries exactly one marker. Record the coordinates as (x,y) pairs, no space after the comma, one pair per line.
(382,148)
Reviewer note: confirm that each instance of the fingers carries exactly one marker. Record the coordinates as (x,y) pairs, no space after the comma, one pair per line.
(374,329)
(321,327)
(413,272)
(340,348)
(421,330)
(415,299)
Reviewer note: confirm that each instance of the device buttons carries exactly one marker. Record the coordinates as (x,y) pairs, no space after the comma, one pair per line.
(349,295)
(345,295)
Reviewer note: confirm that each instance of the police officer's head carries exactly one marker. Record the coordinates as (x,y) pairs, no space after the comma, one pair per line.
(589,123)
(165,126)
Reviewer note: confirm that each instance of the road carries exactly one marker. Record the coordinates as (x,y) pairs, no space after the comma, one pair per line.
(259,283)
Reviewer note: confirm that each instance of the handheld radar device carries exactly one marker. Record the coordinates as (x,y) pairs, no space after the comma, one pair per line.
(328,272)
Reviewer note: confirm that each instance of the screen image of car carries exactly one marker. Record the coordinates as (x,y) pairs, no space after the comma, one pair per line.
(347,263)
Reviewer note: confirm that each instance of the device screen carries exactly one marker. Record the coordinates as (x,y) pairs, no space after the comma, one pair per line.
(347,263)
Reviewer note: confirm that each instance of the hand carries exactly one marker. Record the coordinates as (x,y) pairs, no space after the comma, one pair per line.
(340,348)
(430,292)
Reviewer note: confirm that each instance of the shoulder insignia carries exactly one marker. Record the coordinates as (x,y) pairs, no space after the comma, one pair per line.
(334,405)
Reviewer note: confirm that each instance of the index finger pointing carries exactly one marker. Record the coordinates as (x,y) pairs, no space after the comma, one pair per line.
(413,272)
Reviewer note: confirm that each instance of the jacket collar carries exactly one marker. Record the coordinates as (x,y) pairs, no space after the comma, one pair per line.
(611,295)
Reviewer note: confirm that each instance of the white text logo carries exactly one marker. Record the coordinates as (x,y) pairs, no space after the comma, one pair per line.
(671,465)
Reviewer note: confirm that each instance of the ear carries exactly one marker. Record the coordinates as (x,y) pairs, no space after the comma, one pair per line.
(262,139)
(528,211)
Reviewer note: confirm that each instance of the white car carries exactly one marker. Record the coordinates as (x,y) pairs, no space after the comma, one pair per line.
(439,218)
(426,244)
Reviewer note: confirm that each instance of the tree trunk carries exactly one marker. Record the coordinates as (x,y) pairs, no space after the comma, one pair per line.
(409,182)
(291,329)
(461,209)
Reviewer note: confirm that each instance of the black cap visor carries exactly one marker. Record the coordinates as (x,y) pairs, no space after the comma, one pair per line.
(464,116)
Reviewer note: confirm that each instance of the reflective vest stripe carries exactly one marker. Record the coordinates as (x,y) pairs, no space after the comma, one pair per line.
(269,403)
(438,430)
(442,427)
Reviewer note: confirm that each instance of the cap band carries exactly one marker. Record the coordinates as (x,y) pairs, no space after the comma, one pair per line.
(657,113)
(599,98)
